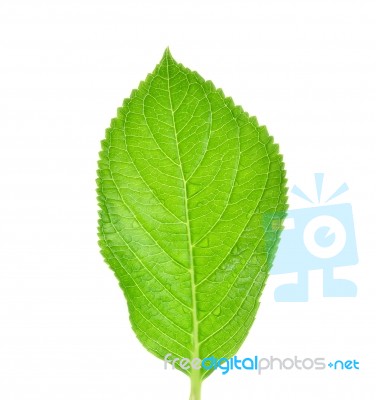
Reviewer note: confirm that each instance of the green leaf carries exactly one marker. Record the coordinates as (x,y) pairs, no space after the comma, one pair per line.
(189,189)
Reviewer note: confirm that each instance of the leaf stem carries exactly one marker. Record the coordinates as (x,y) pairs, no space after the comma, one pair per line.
(195,385)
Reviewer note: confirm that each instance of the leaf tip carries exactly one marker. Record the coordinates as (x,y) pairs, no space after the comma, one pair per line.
(167,55)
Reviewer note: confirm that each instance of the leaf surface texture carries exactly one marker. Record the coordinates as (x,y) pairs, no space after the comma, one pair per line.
(189,187)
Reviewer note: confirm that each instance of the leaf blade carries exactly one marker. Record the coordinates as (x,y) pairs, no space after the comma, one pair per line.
(185,180)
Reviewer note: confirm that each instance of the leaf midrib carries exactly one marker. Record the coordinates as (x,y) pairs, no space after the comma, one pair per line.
(195,350)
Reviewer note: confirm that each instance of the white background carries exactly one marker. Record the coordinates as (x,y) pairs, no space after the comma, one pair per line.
(306,69)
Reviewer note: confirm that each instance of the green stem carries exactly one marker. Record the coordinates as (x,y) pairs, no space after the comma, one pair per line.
(195,385)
